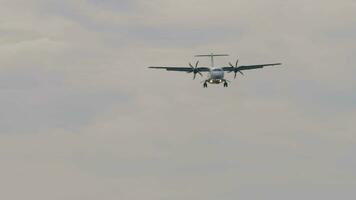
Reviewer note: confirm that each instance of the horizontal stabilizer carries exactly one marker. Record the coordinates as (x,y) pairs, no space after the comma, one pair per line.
(211,55)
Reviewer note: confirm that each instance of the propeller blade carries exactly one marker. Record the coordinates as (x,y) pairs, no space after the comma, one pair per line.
(195,69)
(232,66)
(190,64)
(235,68)
(237,62)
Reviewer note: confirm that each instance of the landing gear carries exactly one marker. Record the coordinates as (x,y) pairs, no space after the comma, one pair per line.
(225,84)
(205,85)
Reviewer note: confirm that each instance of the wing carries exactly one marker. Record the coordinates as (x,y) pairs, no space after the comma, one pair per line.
(248,67)
(183,69)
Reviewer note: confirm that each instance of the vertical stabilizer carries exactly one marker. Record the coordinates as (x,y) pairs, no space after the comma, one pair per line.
(212,57)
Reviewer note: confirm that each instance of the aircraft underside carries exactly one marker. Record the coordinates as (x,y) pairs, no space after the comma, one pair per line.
(215,81)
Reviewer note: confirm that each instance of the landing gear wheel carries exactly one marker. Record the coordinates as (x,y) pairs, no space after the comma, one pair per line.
(225,84)
(205,85)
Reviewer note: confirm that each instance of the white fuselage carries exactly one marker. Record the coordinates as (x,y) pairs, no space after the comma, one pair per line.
(216,76)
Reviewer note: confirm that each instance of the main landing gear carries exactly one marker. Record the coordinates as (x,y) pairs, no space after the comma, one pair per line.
(205,85)
(225,83)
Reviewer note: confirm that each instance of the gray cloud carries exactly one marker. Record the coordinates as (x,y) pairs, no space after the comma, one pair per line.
(83,118)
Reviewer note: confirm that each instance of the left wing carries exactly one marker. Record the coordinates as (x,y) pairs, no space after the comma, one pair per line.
(248,67)
(184,69)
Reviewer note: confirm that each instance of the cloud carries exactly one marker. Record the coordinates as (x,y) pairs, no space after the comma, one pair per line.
(83,117)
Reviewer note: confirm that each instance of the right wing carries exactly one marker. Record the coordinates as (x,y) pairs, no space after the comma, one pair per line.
(183,69)
(248,67)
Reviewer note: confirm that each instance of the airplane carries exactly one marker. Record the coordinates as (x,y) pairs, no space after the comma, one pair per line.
(216,74)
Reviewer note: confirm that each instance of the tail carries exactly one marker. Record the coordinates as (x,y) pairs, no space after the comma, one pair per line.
(212,57)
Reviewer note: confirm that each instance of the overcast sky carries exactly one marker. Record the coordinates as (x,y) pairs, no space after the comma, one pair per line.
(81,116)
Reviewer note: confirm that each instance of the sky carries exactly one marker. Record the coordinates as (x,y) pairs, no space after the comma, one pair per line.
(82,117)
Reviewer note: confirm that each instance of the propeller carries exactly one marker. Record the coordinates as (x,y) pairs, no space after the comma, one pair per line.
(235,68)
(195,69)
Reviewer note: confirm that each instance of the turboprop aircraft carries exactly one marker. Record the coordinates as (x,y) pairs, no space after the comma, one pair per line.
(215,74)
